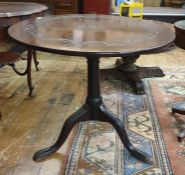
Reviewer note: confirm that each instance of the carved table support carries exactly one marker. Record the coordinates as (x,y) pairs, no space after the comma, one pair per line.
(127,70)
(93,109)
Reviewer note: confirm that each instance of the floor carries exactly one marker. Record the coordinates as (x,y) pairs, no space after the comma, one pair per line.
(31,123)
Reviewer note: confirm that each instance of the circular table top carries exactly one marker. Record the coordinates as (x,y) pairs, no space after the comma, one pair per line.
(180,25)
(90,35)
(10,9)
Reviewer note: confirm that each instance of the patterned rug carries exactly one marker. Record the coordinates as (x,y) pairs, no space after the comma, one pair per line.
(151,127)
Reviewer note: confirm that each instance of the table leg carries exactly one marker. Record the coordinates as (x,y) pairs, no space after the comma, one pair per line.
(27,70)
(127,70)
(36,62)
(93,109)
(79,116)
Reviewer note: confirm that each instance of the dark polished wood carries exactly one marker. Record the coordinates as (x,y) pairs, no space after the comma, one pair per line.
(13,12)
(179,107)
(93,37)
(127,70)
(133,40)
(65,7)
(9,9)
(97,35)
(8,57)
(180,34)
(59,6)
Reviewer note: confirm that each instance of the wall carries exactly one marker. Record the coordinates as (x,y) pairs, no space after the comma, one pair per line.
(167,2)
(150,3)
(39,1)
(156,3)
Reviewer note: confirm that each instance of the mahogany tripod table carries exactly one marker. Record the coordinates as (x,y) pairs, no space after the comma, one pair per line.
(92,37)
